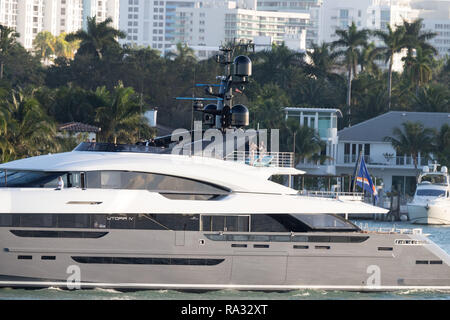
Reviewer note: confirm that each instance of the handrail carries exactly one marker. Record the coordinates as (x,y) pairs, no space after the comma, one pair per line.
(390,230)
(262,159)
(333,194)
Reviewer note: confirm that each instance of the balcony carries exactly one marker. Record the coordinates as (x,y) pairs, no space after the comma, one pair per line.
(391,161)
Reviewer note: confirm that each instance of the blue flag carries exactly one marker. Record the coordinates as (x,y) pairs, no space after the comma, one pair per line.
(364,181)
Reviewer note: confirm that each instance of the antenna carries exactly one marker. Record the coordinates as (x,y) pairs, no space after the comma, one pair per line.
(226,115)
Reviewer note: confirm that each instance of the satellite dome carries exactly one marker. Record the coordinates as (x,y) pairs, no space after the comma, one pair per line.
(239,116)
(242,66)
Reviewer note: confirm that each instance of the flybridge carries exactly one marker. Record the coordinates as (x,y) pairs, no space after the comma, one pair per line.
(268,159)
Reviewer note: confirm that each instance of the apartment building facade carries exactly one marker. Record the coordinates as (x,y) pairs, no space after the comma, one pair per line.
(29,17)
(212,24)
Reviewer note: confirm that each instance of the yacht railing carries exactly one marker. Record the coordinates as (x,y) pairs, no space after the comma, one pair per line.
(365,227)
(355,196)
(263,159)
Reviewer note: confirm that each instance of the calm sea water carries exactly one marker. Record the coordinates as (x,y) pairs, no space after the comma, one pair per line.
(438,234)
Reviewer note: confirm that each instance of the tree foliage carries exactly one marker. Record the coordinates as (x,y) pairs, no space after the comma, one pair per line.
(95,80)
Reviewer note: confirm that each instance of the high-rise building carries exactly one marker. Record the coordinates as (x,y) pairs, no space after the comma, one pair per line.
(30,20)
(312,7)
(366,14)
(29,17)
(69,16)
(150,22)
(436,18)
(204,25)
(8,12)
(212,24)
(101,9)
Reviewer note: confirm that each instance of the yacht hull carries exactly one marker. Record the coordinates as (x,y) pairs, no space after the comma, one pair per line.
(203,264)
(429,214)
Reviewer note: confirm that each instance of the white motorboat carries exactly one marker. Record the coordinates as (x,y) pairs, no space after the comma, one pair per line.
(431,203)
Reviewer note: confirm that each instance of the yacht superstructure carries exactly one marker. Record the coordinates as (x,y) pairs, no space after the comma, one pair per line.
(127,220)
(431,203)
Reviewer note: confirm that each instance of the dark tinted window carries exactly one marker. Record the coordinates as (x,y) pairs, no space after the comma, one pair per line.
(58,234)
(265,223)
(226,223)
(431,193)
(74,221)
(150,181)
(31,179)
(178,221)
(139,260)
(6,220)
(36,220)
(325,221)
(218,223)
(277,223)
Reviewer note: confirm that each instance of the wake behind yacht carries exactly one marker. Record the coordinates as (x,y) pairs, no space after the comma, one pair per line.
(431,203)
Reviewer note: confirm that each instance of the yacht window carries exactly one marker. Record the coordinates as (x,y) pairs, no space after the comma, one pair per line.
(5,220)
(325,221)
(31,179)
(150,181)
(73,221)
(226,223)
(266,223)
(277,223)
(187,222)
(218,223)
(436,179)
(430,193)
(190,196)
(36,220)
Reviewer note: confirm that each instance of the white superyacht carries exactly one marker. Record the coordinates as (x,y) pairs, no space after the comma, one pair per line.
(134,217)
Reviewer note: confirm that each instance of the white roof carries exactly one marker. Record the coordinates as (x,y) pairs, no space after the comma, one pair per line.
(233,175)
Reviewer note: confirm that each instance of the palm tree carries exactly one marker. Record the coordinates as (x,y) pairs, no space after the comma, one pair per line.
(367,57)
(442,145)
(183,54)
(412,140)
(8,37)
(419,67)
(304,140)
(29,131)
(350,40)
(394,42)
(322,62)
(120,118)
(415,37)
(432,98)
(64,48)
(97,38)
(276,64)
(45,45)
